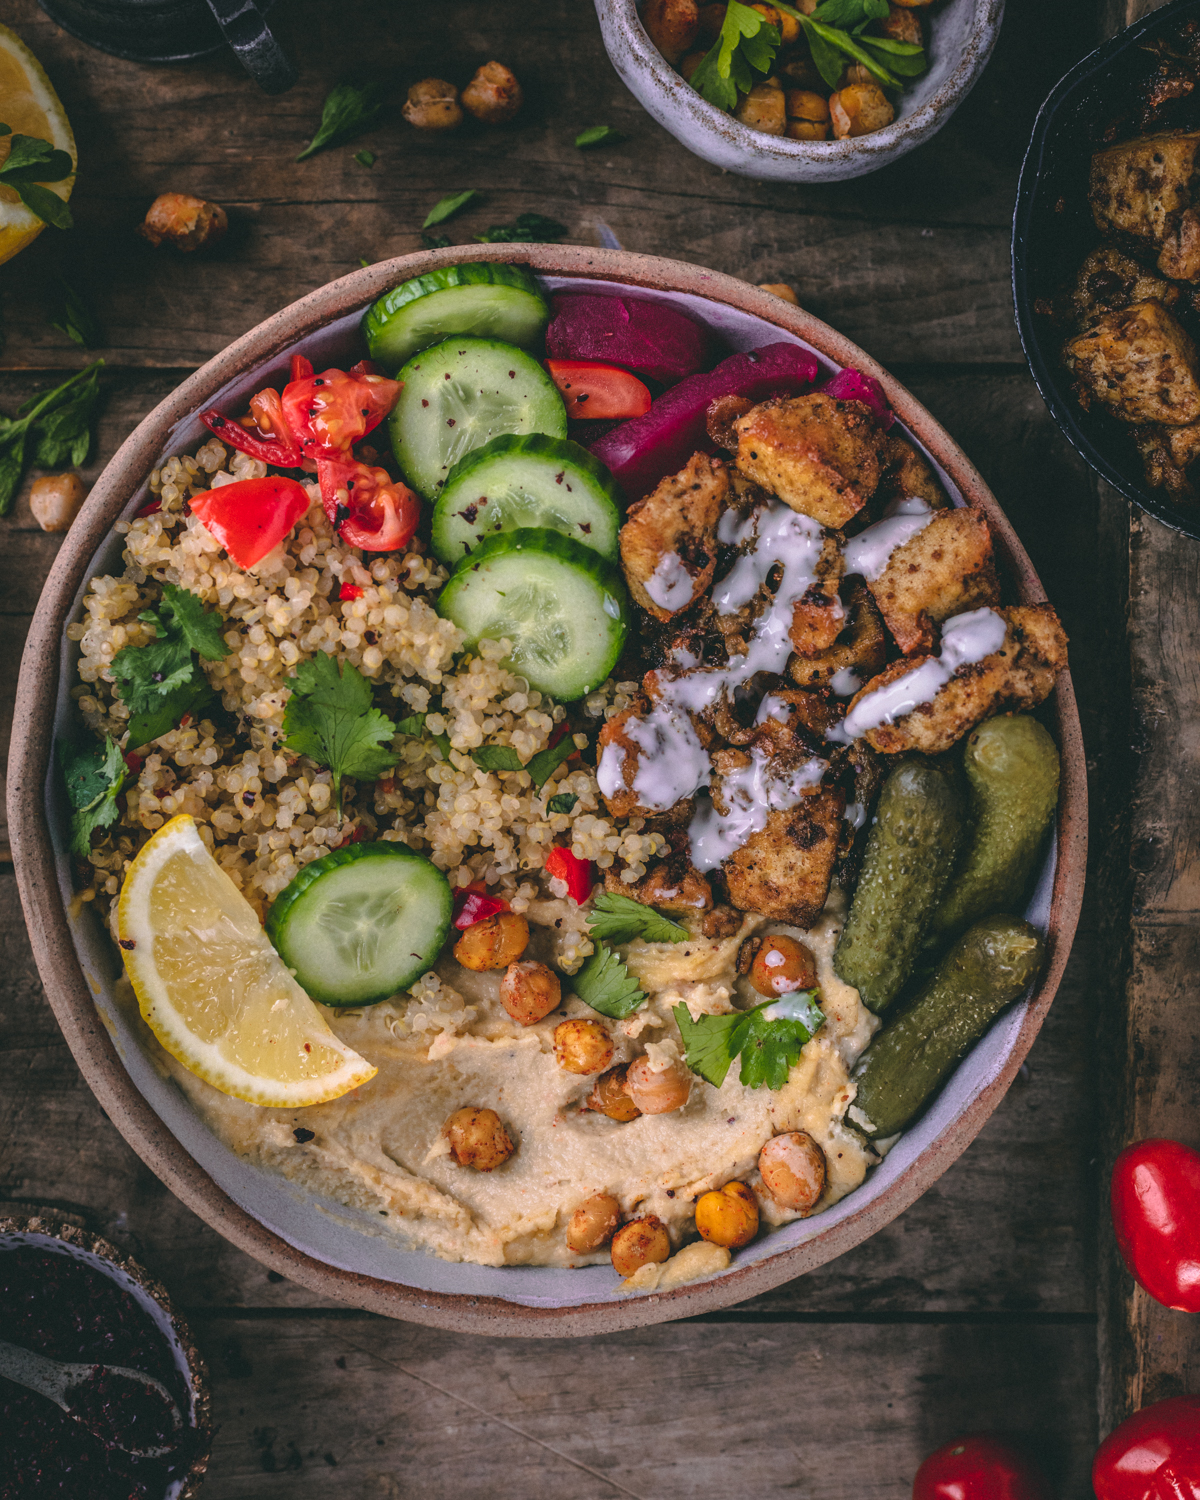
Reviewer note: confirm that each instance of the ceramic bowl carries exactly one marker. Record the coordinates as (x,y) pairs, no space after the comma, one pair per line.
(315,1243)
(963,35)
(1053,231)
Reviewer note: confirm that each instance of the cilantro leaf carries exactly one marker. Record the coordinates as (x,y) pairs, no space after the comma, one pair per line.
(330,719)
(769,1049)
(94,774)
(533,229)
(599,135)
(166,711)
(348,111)
(564,802)
(161,681)
(606,985)
(497,758)
(74,317)
(620,919)
(58,421)
(712,1042)
(446,208)
(746,44)
(546,762)
(201,627)
(145,675)
(413,724)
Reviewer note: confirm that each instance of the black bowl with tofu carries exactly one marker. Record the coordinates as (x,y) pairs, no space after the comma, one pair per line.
(1095,107)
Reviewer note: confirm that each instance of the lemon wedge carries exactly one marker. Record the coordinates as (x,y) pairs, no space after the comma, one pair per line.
(213,990)
(28,106)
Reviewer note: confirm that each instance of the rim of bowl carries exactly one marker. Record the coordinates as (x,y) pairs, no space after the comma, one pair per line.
(46,916)
(1045,367)
(878,148)
(48,1223)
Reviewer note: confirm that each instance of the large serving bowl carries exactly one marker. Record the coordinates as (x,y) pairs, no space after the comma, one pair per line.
(963,35)
(316,1243)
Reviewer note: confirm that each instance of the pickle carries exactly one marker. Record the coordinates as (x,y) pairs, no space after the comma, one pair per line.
(989,967)
(911,850)
(1012,772)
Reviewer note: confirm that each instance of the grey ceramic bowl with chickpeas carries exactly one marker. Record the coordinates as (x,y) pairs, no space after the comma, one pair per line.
(805,99)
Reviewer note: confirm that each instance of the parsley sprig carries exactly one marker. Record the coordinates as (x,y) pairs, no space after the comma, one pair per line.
(31,162)
(49,431)
(606,985)
(163,680)
(94,774)
(769,1049)
(620,919)
(330,718)
(836,31)
(533,229)
(746,45)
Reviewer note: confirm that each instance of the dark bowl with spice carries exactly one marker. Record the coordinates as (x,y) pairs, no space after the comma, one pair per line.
(1053,232)
(71,1296)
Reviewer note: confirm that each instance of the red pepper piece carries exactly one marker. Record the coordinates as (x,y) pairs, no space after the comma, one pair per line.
(1153,1455)
(302,367)
(251,516)
(134,762)
(357,835)
(152,509)
(275,451)
(366,506)
(593,390)
(563,865)
(979,1467)
(1156,1216)
(349,591)
(472,904)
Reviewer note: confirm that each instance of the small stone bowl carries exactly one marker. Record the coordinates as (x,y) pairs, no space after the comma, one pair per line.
(963,35)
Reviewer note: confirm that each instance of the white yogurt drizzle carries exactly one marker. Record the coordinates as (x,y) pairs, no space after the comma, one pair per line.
(855,814)
(868,553)
(845,682)
(966,638)
(797,1007)
(670,585)
(751,795)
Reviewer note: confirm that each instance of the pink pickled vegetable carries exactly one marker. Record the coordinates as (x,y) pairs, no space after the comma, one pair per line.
(853,385)
(641,451)
(646,337)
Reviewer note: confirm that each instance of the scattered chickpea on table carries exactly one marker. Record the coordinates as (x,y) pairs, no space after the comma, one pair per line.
(55,499)
(492,97)
(182,220)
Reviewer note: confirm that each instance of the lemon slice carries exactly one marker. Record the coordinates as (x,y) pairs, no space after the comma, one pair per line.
(213,990)
(28,106)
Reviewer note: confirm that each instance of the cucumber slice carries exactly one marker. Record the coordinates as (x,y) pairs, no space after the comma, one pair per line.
(459,395)
(495,302)
(513,483)
(361,923)
(562,605)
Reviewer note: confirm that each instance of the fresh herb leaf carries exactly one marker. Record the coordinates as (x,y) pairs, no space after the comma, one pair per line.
(850,15)
(847,44)
(348,111)
(74,317)
(829,62)
(442,741)
(436,241)
(546,762)
(201,627)
(534,229)
(94,775)
(747,44)
(903,58)
(414,724)
(66,438)
(620,919)
(606,985)
(167,712)
(564,802)
(330,719)
(497,758)
(31,159)
(599,135)
(365,158)
(446,208)
(161,681)
(769,1049)
(5,130)
(48,206)
(145,675)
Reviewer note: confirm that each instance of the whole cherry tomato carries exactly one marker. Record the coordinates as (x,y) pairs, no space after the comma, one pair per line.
(251,516)
(1153,1455)
(365,506)
(595,390)
(1156,1215)
(979,1466)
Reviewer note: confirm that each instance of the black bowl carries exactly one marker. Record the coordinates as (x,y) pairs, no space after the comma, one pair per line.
(1053,231)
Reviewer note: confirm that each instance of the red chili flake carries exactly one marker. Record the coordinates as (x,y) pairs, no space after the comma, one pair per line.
(349,591)
(358,836)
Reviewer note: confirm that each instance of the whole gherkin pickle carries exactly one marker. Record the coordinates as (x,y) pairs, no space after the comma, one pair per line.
(1012,771)
(910,853)
(989,967)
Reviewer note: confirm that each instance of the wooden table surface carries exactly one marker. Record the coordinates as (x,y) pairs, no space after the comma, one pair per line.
(995,1301)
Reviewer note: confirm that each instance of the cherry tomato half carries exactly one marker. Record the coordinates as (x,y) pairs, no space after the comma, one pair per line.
(1156,1216)
(1153,1455)
(327,413)
(979,1466)
(367,507)
(251,516)
(563,865)
(594,390)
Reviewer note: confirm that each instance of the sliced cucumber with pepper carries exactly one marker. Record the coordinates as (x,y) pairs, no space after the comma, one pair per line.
(563,607)
(490,301)
(461,394)
(362,923)
(513,483)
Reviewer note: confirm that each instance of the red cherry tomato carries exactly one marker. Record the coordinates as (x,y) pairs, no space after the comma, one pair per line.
(979,1467)
(1156,1215)
(473,904)
(302,367)
(593,390)
(367,507)
(1153,1455)
(563,865)
(251,516)
(327,413)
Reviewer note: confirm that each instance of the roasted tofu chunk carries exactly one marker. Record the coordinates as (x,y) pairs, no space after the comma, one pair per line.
(672,885)
(1140,364)
(669,542)
(651,761)
(907,474)
(1017,677)
(820,456)
(1167,455)
(858,653)
(1143,189)
(783,871)
(817,620)
(946,569)
(1108,281)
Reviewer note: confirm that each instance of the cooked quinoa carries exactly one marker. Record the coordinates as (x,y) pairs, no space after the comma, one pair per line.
(266,812)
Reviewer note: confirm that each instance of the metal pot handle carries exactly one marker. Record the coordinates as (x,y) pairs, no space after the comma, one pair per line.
(259,52)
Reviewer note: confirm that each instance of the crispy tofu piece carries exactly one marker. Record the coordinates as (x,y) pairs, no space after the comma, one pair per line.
(1017,677)
(672,885)
(669,539)
(861,647)
(1140,364)
(820,456)
(1109,280)
(783,872)
(817,621)
(1141,189)
(944,570)
(906,474)
(1167,454)
(677,748)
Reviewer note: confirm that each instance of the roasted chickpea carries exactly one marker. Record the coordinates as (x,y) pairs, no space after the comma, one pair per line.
(792,1167)
(903,26)
(582,1046)
(781,290)
(433,104)
(640,1243)
(55,500)
(859,109)
(493,943)
(611,1097)
(763,108)
(854,73)
(728,1216)
(186,222)
(493,95)
(658,1093)
(711,18)
(690,63)
(529,991)
(787,26)
(782,966)
(807,130)
(807,104)
(671,25)
(801,73)
(478,1139)
(593,1223)
(913,4)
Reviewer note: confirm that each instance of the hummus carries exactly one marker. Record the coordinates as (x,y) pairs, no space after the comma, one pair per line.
(381,1149)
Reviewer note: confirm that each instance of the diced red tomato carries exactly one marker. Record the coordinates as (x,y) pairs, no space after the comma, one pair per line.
(365,367)
(251,516)
(367,507)
(302,368)
(349,591)
(563,865)
(327,413)
(473,904)
(595,390)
